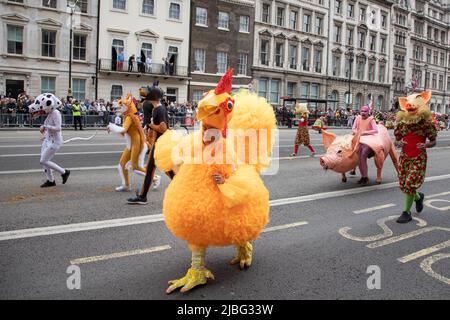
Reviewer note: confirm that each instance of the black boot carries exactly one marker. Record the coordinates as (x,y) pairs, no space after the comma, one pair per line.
(419,203)
(65,176)
(363,181)
(49,184)
(404,218)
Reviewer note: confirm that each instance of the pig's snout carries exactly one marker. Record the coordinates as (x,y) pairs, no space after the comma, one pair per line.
(323,163)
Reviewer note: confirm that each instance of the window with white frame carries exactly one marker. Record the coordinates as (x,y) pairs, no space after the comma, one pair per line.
(275,91)
(264,52)
(279,54)
(293,19)
(318,60)
(244,24)
(15,39)
(304,90)
(120,4)
(221,62)
(197,95)
(199,57)
(48,43)
(147,49)
(116,92)
(79,47)
(172,94)
(48,85)
(49,3)
(262,87)
(201,16)
(305,58)
(291,89)
(265,13)
(336,65)
(242,64)
(148,7)
(82,5)
(293,49)
(174,11)
(118,46)
(79,89)
(224,20)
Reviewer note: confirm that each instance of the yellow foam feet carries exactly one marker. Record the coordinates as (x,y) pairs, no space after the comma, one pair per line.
(243,256)
(193,278)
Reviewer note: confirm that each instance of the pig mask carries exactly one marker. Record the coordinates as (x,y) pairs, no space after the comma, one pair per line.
(341,156)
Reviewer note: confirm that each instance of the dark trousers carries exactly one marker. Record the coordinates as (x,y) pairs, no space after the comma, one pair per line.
(150,174)
(77,119)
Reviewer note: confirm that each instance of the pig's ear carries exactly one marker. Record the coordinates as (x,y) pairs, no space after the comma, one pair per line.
(328,138)
(426,96)
(403,101)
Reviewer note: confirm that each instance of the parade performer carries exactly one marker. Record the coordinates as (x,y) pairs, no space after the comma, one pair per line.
(159,124)
(52,140)
(366,126)
(414,127)
(319,124)
(133,156)
(302,138)
(211,202)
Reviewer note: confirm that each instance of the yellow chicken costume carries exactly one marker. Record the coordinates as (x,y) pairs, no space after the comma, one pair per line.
(211,202)
(134,154)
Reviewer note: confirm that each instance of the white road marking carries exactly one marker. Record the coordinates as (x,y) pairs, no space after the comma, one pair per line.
(424,252)
(286,226)
(14,172)
(119,255)
(59,154)
(67,145)
(428,262)
(437,195)
(162,248)
(428,203)
(77,227)
(390,205)
(96,225)
(405,236)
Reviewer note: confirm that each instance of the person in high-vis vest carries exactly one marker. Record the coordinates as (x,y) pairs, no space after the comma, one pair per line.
(76,113)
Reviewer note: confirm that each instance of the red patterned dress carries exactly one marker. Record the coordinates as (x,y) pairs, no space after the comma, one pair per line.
(413,161)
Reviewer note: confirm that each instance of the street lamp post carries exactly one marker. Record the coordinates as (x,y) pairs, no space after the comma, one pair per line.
(72,4)
(350,62)
(426,78)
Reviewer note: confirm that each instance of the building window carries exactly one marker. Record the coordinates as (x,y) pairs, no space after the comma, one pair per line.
(15,39)
(337,33)
(361,40)
(49,3)
(305,58)
(379,104)
(384,20)
(244,24)
(338,6)
(265,52)
(335,97)
(172,95)
(118,46)
(381,73)
(266,13)
(293,56)
(147,49)
(82,5)
(279,54)
(293,17)
(383,45)
(116,92)
(224,20)
(280,17)
(221,62)
(306,23)
(351,10)
(318,60)
(360,69)
(336,65)
(304,90)
(242,64)
(362,14)
(79,89)
(291,88)
(201,16)
(48,85)
(262,88)
(174,11)
(275,91)
(48,43)
(319,25)
(79,47)
(373,42)
(349,36)
(148,7)
(197,96)
(200,57)
(441,82)
(120,4)
(372,72)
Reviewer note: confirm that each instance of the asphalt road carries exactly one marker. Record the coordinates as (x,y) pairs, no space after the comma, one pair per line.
(322,237)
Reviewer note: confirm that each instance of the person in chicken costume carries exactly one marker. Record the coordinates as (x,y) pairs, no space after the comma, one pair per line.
(414,126)
(134,154)
(212,202)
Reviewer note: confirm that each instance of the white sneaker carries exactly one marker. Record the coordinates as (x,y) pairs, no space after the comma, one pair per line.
(123,189)
(156,182)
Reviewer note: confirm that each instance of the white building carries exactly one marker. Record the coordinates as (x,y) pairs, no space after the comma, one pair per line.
(156,29)
(34,50)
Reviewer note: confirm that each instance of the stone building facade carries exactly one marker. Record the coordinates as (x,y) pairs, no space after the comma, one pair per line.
(221,37)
